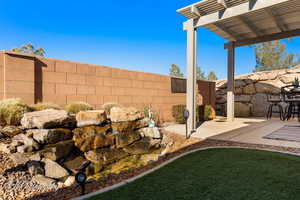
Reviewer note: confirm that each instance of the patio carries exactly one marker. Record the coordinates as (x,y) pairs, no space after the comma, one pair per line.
(242,130)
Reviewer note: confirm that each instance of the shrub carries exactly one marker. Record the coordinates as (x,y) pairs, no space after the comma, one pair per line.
(177,113)
(209,113)
(203,113)
(110,105)
(150,113)
(44,106)
(76,107)
(12,111)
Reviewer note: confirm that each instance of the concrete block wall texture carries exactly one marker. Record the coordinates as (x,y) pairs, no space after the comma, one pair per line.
(37,79)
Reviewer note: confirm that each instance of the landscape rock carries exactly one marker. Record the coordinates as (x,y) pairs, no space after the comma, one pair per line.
(59,150)
(105,156)
(121,114)
(143,146)
(51,136)
(74,164)
(70,181)
(54,170)
(19,158)
(28,144)
(251,90)
(35,168)
(152,132)
(36,157)
(44,181)
(7,148)
(129,125)
(47,119)
(92,137)
(11,131)
(126,138)
(93,117)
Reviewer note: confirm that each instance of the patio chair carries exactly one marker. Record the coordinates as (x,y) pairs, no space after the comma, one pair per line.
(274,101)
(292,100)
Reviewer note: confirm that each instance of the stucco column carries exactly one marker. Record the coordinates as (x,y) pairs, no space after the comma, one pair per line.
(191,74)
(230,82)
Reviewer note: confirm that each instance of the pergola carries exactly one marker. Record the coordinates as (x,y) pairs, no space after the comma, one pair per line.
(242,23)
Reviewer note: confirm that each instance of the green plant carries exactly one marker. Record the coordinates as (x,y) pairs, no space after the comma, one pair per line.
(203,113)
(209,113)
(44,106)
(12,111)
(110,105)
(177,113)
(76,107)
(151,114)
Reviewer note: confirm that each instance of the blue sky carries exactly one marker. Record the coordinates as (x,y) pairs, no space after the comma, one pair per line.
(143,35)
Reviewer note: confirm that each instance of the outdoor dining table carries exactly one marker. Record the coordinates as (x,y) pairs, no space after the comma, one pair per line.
(295,94)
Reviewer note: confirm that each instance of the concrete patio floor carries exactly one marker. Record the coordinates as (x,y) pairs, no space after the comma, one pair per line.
(245,130)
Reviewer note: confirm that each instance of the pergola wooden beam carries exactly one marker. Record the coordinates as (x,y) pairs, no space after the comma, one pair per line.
(238,10)
(250,27)
(266,38)
(230,35)
(277,23)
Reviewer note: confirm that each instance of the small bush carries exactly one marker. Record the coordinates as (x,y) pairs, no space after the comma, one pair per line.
(12,111)
(177,113)
(203,113)
(76,107)
(209,113)
(110,105)
(150,113)
(44,106)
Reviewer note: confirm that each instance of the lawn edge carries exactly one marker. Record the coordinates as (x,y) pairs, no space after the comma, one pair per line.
(125,182)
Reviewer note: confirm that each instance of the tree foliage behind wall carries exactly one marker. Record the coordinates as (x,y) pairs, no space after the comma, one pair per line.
(273,55)
(29,49)
(175,71)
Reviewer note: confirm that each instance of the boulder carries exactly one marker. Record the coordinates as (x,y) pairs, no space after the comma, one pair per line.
(70,181)
(93,117)
(47,119)
(129,125)
(126,138)
(85,138)
(239,83)
(36,157)
(242,98)
(143,146)
(74,164)
(152,132)
(249,89)
(122,114)
(288,78)
(59,150)
(54,170)
(28,144)
(11,131)
(51,136)
(242,109)
(105,156)
(266,88)
(44,181)
(19,158)
(260,103)
(7,148)
(35,168)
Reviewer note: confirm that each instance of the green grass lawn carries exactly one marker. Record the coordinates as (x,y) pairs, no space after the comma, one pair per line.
(218,174)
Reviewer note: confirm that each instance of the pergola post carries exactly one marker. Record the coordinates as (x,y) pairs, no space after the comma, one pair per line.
(191,75)
(230,81)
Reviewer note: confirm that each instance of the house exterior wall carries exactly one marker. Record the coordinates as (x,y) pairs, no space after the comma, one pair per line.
(37,79)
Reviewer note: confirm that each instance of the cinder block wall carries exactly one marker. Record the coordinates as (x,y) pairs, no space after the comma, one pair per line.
(37,79)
